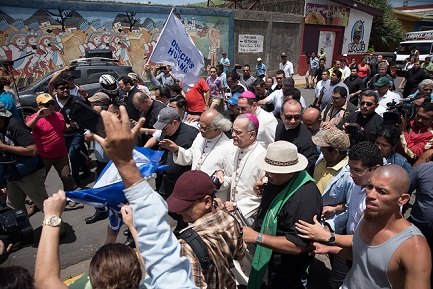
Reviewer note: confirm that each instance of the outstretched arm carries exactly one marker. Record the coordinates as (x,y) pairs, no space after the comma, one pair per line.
(47,269)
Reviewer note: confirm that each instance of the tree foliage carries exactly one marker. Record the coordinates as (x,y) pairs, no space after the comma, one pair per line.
(386,31)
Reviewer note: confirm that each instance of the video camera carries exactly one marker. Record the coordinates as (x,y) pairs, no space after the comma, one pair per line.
(15,227)
(405,108)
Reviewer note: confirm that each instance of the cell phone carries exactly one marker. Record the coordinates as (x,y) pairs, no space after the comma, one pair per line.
(238,67)
(87,117)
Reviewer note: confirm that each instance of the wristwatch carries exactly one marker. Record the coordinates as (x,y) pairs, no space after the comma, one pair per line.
(52,221)
(331,240)
(259,239)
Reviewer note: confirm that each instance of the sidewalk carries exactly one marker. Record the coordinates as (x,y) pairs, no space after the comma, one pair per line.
(299,80)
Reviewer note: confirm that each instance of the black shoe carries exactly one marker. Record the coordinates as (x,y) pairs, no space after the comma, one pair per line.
(130,242)
(98,216)
(85,175)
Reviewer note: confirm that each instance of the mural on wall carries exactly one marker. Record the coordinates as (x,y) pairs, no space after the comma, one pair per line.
(357,33)
(42,40)
(326,14)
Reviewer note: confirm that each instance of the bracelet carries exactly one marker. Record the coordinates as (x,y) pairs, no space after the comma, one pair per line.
(146,131)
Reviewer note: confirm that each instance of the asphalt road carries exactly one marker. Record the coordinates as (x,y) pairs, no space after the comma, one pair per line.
(80,240)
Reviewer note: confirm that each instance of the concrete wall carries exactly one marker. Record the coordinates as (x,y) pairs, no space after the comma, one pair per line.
(281,31)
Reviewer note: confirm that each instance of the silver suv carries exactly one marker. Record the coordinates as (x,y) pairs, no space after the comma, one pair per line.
(86,71)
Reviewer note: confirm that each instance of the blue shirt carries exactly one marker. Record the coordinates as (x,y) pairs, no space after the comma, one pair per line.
(225,61)
(314,62)
(398,159)
(9,103)
(260,70)
(156,243)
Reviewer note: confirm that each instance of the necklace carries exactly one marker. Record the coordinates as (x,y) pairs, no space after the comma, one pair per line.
(204,155)
(239,170)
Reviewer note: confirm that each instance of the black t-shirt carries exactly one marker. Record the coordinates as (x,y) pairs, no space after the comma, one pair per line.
(151,117)
(286,270)
(16,133)
(354,83)
(183,137)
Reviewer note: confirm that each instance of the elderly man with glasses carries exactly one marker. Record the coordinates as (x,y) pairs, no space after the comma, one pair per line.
(209,148)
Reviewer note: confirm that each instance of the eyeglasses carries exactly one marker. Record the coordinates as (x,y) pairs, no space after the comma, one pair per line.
(278,78)
(238,132)
(204,128)
(358,172)
(246,70)
(48,104)
(290,117)
(368,104)
(165,127)
(62,88)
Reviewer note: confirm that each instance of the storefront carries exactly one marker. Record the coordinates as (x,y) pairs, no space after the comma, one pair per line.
(339,27)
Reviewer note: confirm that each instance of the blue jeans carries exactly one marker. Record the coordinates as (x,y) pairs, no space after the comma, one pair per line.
(76,150)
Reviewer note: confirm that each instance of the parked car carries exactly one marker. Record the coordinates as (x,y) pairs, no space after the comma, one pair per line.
(86,71)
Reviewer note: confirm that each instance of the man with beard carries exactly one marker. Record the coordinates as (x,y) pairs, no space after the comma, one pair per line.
(387,250)
(355,85)
(412,78)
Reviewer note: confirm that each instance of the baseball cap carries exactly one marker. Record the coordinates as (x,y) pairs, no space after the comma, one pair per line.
(165,116)
(3,111)
(190,186)
(332,138)
(234,99)
(283,54)
(43,98)
(100,96)
(345,55)
(259,59)
(382,81)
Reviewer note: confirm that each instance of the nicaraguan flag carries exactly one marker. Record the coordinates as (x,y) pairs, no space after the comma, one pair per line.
(176,48)
(108,189)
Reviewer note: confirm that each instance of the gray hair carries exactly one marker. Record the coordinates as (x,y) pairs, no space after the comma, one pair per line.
(220,122)
(424,83)
(383,65)
(251,126)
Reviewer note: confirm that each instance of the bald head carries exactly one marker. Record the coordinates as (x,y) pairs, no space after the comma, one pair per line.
(312,119)
(397,177)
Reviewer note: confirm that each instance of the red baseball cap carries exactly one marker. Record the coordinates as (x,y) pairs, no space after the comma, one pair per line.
(191,186)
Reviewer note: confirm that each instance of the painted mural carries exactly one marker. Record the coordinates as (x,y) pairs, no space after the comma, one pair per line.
(42,40)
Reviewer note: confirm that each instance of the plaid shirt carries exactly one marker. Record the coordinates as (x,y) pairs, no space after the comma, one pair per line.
(223,237)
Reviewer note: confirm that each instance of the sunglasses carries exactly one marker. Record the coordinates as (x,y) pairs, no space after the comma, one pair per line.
(368,104)
(48,104)
(278,78)
(290,117)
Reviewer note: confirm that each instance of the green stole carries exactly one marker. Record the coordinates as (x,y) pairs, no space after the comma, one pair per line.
(262,256)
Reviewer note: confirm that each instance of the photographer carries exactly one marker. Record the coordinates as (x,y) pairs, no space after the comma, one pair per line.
(164,76)
(21,166)
(418,137)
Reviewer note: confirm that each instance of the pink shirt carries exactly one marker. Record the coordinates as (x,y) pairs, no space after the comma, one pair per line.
(48,135)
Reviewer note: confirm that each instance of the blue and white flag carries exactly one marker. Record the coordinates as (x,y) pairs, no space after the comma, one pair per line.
(108,189)
(176,48)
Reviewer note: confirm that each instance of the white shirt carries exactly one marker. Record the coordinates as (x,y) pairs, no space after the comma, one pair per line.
(346,72)
(206,155)
(267,126)
(389,97)
(277,99)
(356,208)
(241,173)
(287,68)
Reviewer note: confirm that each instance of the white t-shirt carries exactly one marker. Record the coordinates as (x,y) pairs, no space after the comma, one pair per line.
(287,68)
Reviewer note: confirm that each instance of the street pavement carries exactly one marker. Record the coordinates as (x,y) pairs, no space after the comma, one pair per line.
(80,240)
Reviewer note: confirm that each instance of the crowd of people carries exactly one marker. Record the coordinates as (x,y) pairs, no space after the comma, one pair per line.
(257,182)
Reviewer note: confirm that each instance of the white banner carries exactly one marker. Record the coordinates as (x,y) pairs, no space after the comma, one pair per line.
(176,48)
(250,43)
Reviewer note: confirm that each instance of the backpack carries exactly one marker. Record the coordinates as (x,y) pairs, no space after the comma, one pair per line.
(200,249)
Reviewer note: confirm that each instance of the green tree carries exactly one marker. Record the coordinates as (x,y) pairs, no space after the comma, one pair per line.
(386,31)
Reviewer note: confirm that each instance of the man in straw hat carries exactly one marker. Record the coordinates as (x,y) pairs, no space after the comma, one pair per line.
(289,195)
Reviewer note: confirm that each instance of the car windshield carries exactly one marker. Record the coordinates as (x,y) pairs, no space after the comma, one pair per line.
(423,48)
